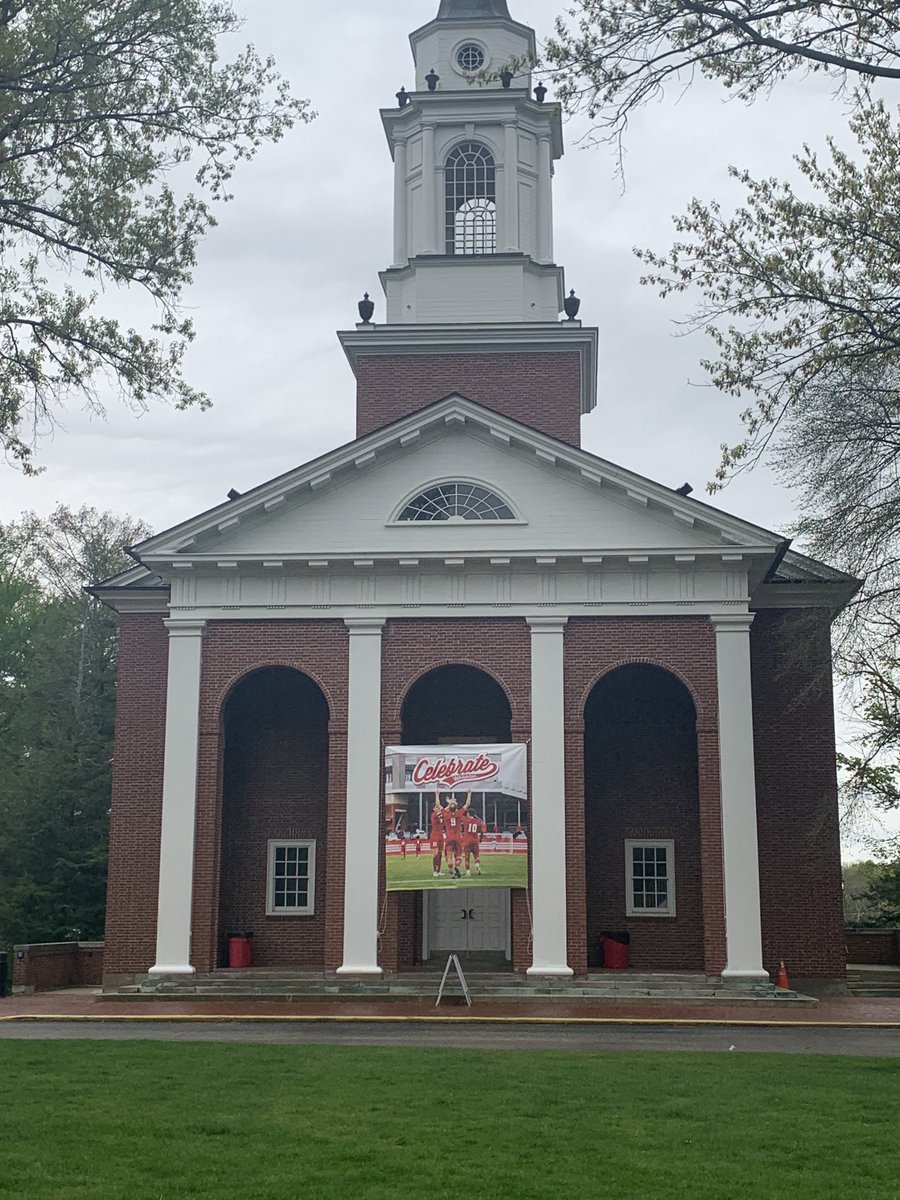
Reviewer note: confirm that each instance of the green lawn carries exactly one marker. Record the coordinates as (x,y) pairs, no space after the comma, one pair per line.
(413,874)
(139,1121)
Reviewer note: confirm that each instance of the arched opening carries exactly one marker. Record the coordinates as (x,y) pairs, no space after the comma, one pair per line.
(455,704)
(642,822)
(275,818)
(470,200)
(458,705)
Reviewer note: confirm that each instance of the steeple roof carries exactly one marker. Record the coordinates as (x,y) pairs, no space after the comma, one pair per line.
(473,10)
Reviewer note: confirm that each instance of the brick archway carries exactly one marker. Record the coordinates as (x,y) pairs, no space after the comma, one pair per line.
(641,798)
(274,789)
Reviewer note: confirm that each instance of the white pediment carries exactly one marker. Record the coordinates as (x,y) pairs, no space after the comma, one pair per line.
(344,506)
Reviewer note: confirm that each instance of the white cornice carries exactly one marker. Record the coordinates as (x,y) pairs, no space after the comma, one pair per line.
(484,108)
(687,558)
(523,338)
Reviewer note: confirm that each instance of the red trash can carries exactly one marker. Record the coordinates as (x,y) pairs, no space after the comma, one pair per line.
(240,951)
(615,951)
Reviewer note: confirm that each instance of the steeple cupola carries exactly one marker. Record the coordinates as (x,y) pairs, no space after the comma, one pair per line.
(473,153)
(473,294)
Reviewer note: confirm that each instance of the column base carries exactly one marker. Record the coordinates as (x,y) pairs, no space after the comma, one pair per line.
(551,972)
(162,969)
(750,975)
(371,972)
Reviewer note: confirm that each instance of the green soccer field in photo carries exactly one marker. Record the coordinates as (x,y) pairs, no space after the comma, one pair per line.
(180,1121)
(497,871)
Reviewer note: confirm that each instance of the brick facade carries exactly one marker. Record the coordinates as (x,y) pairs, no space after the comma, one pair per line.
(136,795)
(686,648)
(274,785)
(411,649)
(799,858)
(796,786)
(231,653)
(542,389)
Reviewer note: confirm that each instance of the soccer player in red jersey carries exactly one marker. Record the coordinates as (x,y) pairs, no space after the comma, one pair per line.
(452,817)
(473,828)
(437,835)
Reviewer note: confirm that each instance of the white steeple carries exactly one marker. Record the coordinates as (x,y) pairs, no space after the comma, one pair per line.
(473,151)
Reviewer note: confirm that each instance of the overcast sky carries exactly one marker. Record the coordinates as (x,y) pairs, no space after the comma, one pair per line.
(311,226)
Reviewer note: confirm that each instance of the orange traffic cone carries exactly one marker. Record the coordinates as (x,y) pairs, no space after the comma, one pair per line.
(782,980)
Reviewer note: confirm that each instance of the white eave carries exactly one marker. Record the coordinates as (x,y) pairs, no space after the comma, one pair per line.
(727,534)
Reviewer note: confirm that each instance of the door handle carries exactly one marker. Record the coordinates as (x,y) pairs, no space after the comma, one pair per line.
(471,914)
(465,916)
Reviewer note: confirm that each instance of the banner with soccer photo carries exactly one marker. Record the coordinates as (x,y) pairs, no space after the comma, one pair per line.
(456,816)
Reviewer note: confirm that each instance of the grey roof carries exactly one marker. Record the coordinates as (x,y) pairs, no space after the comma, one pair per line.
(800,568)
(473,10)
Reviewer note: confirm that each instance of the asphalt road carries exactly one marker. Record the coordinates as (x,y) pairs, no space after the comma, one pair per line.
(882,1043)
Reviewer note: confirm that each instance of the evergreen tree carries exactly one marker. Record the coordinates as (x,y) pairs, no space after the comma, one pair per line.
(57,709)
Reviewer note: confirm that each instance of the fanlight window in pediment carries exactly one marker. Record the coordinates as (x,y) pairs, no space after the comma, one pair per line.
(456,501)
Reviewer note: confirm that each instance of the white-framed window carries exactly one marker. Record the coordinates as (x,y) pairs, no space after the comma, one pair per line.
(291,878)
(457,500)
(470,57)
(470,200)
(650,878)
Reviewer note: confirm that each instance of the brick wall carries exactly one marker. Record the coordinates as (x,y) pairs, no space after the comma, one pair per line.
(685,647)
(275,785)
(796,787)
(411,649)
(231,653)
(642,782)
(800,869)
(542,390)
(877,947)
(136,794)
(54,965)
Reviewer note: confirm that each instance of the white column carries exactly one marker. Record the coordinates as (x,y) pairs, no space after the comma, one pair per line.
(431,244)
(401,225)
(738,785)
(511,181)
(364,846)
(545,201)
(548,798)
(179,800)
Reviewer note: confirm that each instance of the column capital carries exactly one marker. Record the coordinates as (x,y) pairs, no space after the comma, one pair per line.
(547,624)
(365,626)
(732,622)
(190,628)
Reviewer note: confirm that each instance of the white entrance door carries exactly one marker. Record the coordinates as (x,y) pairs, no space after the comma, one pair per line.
(469,920)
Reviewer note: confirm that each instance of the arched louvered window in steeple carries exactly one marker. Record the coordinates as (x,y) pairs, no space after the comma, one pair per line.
(470,177)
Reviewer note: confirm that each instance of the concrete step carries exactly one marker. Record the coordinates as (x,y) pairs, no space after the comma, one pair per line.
(310,986)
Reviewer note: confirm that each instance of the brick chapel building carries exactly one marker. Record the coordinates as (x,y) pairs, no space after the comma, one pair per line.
(464,572)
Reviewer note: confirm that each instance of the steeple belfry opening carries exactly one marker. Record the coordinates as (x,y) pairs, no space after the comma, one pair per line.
(470,189)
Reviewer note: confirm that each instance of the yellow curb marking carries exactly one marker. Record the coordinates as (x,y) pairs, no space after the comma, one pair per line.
(322,1019)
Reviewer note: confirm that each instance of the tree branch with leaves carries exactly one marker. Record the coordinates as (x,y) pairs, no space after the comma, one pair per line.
(120,130)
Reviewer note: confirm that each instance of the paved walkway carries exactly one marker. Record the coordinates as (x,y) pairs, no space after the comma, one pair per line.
(868,1040)
(85,1006)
